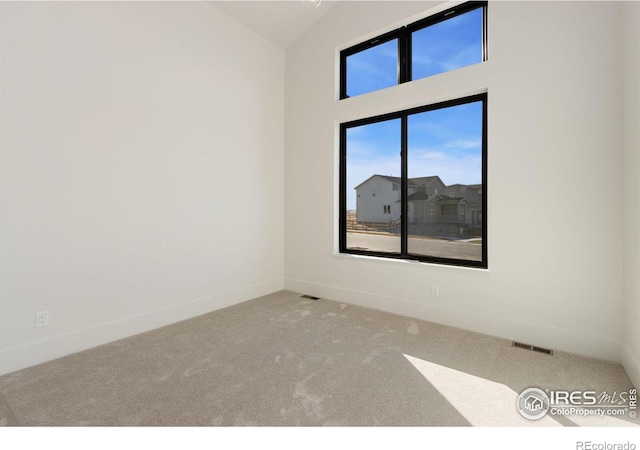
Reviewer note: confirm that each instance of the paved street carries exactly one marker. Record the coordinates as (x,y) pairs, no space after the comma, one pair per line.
(421,246)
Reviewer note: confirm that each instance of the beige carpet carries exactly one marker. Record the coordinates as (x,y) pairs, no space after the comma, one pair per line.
(282,360)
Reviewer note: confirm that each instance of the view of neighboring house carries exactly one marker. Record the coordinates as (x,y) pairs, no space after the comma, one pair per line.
(429,201)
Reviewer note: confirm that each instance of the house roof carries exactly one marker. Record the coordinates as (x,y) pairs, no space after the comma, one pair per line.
(452,200)
(440,199)
(469,186)
(413,182)
(418,182)
(417,196)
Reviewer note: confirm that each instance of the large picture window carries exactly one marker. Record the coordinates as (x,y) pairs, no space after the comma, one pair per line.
(446,41)
(413,184)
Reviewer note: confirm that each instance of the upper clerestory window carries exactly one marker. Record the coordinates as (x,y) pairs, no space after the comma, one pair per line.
(446,41)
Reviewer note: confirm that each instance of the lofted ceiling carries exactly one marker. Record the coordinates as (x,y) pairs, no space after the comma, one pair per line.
(281,22)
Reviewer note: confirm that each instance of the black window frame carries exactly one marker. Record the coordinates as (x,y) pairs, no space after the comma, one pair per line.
(404,35)
(403,116)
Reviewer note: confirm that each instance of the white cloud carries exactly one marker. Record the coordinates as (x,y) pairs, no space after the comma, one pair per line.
(464,144)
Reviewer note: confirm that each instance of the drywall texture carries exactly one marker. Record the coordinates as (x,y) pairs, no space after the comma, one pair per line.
(554,168)
(141,172)
(631,111)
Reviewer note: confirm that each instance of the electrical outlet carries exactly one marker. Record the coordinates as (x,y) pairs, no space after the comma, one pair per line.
(435,290)
(246,274)
(42,319)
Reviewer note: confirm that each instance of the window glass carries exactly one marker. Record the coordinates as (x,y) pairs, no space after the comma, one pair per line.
(445,151)
(372,69)
(447,45)
(373,166)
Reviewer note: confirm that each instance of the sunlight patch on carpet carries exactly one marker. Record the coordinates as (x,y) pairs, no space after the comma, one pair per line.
(482,402)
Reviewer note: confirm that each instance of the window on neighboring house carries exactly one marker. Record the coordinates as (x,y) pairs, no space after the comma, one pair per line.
(446,41)
(402,145)
(450,194)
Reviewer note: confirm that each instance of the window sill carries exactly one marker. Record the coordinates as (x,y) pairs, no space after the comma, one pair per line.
(407,263)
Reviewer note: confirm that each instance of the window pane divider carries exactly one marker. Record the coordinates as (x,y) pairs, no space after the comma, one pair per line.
(404,210)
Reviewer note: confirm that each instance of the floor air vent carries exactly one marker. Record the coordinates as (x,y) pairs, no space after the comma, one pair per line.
(310,297)
(533,348)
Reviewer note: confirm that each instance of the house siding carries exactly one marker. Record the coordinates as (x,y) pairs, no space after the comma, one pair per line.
(371,198)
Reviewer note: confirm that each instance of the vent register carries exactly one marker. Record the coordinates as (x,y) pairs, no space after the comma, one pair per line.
(532,348)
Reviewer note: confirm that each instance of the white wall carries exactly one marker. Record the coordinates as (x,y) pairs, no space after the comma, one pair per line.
(555,171)
(631,347)
(141,170)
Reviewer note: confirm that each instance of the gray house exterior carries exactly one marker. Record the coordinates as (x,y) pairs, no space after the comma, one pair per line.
(430,201)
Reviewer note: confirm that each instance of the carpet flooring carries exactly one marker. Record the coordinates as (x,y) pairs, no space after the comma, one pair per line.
(283,360)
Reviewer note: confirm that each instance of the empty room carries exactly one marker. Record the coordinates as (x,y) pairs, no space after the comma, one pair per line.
(317,213)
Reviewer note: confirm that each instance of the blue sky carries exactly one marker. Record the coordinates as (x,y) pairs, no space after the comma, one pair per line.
(447,45)
(445,142)
(373,69)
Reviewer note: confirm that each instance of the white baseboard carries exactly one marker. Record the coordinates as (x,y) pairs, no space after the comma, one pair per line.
(19,357)
(595,346)
(631,366)
(541,335)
